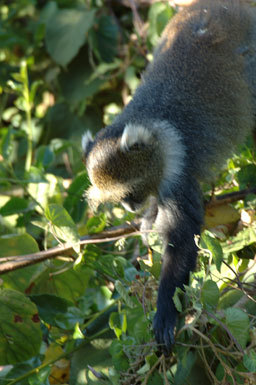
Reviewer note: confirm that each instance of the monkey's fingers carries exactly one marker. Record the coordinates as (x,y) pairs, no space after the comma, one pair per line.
(164,333)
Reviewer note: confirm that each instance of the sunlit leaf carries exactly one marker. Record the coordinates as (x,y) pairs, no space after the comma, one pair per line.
(244,238)
(210,294)
(14,244)
(124,294)
(159,14)
(238,323)
(15,205)
(62,225)
(210,243)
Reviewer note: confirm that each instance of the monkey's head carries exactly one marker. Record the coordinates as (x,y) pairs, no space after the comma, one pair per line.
(126,168)
(131,164)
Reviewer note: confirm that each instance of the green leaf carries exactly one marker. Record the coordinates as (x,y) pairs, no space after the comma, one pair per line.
(40,377)
(104,68)
(249,361)
(247,176)
(70,284)
(244,238)
(118,266)
(70,319)
(14,206)
(66,33)
(159,15)
(44,156)
(210,294)
(18,77)
(104,39)
(137,324)
(35,175)
(97,357)
(13,244)
(48,11)
(20,333)
(131,78)
(155,269)
(238,323)
(23,279)
(7,145)
(184,368)
(78,83)
(103,264)
(33,90)
(61,123)
(41,192)
(220,372)
(74,202)
(230,298)
(15,86)
(176,299)
(96,224)
(22,104)
(124,294)
(210,243)
(118,323)
(117,352)
(155,379)
(142,330)
(62,225)
(49,306)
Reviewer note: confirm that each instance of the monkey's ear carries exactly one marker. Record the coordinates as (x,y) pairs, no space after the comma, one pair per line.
(135,134)
(87,141)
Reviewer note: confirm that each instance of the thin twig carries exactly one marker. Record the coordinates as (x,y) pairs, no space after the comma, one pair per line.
(149,373)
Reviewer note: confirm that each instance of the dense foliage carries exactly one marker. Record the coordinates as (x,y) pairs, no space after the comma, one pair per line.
(82,313)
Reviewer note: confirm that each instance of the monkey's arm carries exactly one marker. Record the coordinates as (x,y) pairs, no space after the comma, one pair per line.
(149,219)
(179,218)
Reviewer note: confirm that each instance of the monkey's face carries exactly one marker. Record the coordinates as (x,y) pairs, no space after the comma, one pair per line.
(119,177)
(125,171)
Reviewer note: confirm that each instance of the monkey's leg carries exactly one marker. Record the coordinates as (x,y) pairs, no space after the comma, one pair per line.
(180,219)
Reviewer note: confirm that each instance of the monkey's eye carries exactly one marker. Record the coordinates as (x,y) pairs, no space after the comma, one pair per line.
(132,204)
(131,197)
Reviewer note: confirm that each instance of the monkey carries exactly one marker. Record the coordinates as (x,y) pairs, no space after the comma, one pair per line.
(195,104)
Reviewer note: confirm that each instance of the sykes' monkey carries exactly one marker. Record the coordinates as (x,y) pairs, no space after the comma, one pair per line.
(196,102)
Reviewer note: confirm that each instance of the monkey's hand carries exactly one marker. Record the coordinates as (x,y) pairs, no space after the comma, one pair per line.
(164,324)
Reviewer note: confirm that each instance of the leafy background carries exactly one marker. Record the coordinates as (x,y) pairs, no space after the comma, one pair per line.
(84,315)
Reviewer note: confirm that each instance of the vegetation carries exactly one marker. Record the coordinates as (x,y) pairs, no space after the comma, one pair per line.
(78,289)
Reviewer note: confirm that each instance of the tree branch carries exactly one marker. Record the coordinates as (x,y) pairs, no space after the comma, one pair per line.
(19,261)
(229,198)
(113,234)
